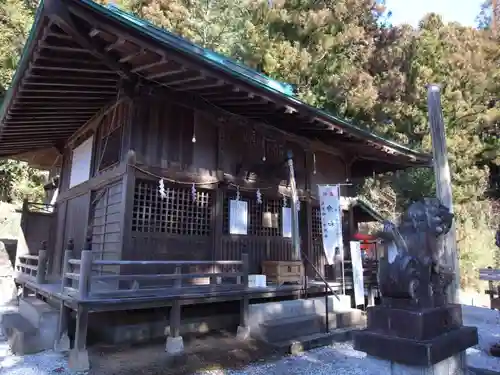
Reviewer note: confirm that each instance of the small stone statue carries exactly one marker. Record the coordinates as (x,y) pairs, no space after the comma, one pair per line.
(409,274)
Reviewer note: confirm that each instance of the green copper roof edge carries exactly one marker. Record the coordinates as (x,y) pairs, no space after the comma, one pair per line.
(21,66)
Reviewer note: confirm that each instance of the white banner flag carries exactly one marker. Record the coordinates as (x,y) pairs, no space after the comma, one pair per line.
(357,273)
(331,220)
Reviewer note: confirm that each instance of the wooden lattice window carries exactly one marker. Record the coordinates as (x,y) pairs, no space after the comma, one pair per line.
(317,233)
(264,219)
(175,214)
(110,142)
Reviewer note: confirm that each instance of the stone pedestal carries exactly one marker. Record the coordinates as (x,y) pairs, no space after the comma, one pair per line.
(174,345)
(79,360)
(417,341)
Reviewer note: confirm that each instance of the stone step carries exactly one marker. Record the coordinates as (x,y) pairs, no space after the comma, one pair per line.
(39,313)
(42,317)
(21,335)
(316,340)
(277,330)
(288,328)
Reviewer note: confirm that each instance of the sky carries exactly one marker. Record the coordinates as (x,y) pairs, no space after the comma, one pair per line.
(412,11)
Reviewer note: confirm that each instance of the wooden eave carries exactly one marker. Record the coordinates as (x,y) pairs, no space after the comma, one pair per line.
(80,55)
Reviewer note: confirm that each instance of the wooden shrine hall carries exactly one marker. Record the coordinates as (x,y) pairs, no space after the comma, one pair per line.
(152,137)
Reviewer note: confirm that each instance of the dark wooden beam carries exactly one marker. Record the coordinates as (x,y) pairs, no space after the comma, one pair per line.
(36,136)
(45,125)
(65,91)
(65,76)
(224,93)
(47,98)
(38,131)
(64,61)
(36,84)
(34,142)
(164,74)
(75,67)
(114,45)
(132,56)
(181,81)
(248,104)
(50,53)
(45,119)
(62,106)
(49,128)
(38,113)
(146,67)
(57,11)
(53,34)
(204,86)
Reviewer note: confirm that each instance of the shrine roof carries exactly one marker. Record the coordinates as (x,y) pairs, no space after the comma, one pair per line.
(79,54)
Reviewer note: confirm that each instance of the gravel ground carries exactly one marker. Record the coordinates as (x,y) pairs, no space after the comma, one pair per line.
(224,356)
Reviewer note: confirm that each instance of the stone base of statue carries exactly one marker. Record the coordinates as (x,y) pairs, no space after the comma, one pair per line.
(418,340)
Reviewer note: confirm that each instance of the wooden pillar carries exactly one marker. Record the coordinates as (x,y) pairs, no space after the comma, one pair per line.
(128,191)
(371,295)
(295,218)
(41,272)
(78,357)
(85,274)
(243,328)
(218,211)
(448,243)
(306,216)
(175,342)
(217,220)
(62,342)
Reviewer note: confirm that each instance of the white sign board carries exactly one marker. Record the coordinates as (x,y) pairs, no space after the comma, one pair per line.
(331,220)
(238,217)
(286,222)
(357,273)
(81,161)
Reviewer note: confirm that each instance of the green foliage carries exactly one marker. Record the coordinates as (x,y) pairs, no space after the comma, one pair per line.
(17,180)
(475,240)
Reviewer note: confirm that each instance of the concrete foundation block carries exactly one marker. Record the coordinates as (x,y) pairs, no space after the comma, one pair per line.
(270,311)
(174,345)
(243,333)
(79,360)
(454,365)
(63,344)
(21,335)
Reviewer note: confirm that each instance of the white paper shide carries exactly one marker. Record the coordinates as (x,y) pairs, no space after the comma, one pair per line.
(331,220)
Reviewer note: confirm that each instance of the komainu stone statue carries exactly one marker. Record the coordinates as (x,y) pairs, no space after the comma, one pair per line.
(414,325)
(409,274)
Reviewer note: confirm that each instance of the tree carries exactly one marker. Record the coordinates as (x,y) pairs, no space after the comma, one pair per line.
(17,180)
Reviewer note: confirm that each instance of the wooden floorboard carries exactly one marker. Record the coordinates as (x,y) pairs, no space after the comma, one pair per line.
(186,295)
